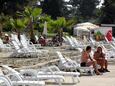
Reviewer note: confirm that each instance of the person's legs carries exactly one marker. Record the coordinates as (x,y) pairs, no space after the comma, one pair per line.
(106,66)
(95,67)
(94,63)
(101,62)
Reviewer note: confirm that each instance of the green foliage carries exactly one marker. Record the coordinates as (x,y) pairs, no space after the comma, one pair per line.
(51,34)
(45,18)
(88,7)
(10,7)
(108,12)
(69,25)
(2,18)
(83,9)
(7,26)
(61,22)
(71,22)
(3,21)
(19,24)
(56,25)
(98,33)
(42,20)
(54,8)
(31,13)
(31,16)
(52,25)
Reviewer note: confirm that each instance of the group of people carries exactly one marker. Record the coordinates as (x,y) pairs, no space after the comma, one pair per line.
(42,40)
(98,59)
(57,40)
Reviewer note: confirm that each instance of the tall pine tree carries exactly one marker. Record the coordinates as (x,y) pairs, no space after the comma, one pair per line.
(85,8)
(9,7)
(54,8)
(108,12)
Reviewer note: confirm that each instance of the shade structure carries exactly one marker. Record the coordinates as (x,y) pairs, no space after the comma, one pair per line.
(45,29)
(88,25)
(82,29)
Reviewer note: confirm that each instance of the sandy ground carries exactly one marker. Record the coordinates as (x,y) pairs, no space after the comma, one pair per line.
(107,79)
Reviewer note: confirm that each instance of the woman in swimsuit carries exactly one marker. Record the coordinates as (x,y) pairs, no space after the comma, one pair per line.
(99,56)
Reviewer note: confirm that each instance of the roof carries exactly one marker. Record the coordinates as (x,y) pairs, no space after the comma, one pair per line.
(87,25)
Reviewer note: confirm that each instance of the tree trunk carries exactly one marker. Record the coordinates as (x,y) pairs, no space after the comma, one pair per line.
(32,37)
(18,33)
(60,33)
(1,30)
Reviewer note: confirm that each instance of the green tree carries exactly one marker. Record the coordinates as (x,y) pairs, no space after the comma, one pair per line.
(54,8)
(87,8)
(18,25)
(43,19)
(3,20)
(84,8)
(33,15)
(10,7)
(53,26)
(108,12)
(57,25)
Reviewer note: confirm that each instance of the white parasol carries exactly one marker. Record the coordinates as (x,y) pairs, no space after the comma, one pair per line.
(45,29)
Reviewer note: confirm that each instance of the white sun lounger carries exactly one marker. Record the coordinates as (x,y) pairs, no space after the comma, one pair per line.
(32,47)
(73,45)
(15,79)
(53,70)
(5,47)
(34,75)
(68,64)
(8,82)
(77,43)
(19,51)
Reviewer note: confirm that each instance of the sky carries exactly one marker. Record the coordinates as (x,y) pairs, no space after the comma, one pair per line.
(100,3)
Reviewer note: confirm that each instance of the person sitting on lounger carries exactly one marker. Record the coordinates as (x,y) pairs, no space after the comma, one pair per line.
(86,60)
(42,41)
(99,56)
(6,39)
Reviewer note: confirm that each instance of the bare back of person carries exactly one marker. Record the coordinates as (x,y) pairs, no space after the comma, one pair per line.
(85,60)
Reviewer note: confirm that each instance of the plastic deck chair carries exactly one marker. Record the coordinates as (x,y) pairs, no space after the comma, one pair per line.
(66,64)
(18,51)
(54,70)
(5,47)
(8,82)
(34,75)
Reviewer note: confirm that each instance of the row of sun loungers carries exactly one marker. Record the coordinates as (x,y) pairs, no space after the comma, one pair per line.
(22,47)
(38,77)
(32,77)
(108,47)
